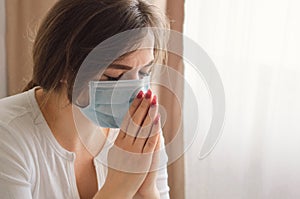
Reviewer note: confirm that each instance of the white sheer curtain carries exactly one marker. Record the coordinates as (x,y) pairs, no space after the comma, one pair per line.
(255,45)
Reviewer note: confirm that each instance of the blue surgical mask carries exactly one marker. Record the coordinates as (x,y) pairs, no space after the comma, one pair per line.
(109,101)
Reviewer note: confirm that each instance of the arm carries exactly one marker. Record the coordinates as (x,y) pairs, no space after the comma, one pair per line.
(160,189)
(162,175)
(154,196)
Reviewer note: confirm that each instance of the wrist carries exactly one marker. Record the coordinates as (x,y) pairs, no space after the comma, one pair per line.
(109,192)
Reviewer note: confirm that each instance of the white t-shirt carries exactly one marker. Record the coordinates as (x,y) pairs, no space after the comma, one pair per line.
(33,164)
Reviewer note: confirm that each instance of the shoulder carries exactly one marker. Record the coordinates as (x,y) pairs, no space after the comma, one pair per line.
(15,106)
(19,112)
(17,134)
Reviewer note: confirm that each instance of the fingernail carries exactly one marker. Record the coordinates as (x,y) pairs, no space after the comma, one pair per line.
(154,101)
(140,95)
(157,119)
(148,94)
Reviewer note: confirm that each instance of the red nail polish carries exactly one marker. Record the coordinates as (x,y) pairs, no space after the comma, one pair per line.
(154,101)
(140,95)
(148,94)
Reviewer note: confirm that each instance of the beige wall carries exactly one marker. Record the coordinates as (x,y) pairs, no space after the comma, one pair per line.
(22,18)
(2,50)
(175,12)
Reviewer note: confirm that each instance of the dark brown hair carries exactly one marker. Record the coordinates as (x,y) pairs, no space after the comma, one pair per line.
(72,28)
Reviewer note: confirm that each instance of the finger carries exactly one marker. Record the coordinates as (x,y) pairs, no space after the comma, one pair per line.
(136,102)
(145,130)
(154,134)
(156,126)
(120,138)
(150,144)
(157,148)
(133,107)
(139,115)
(155,158)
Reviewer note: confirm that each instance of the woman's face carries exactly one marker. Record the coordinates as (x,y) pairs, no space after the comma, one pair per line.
(135,65)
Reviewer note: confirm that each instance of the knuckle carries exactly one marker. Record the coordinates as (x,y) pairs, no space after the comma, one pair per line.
(147,122)
(144,105)
(154,130)
(138,144)
(142,134)
(151,143)
(136,120)
(132,108)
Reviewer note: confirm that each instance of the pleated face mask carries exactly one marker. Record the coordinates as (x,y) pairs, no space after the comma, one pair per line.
(109,101)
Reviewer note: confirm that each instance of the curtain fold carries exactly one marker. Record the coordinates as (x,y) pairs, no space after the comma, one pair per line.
(2,50)
(172,100)
(22,18)
(255,46)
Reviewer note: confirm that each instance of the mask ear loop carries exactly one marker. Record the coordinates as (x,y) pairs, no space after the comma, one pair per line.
(85,93)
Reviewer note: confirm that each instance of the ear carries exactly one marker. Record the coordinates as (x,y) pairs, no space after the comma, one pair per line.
(63,81)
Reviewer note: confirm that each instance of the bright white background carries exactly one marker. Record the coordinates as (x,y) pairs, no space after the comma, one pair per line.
(255,45)
(2,50)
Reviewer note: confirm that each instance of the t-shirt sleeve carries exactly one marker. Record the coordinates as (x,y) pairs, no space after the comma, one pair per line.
(162,175)
(14,171)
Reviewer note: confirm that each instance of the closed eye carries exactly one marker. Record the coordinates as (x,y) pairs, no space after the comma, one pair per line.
(144,72)
(110,78)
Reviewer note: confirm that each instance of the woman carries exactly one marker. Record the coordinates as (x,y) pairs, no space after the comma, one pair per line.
(51,141)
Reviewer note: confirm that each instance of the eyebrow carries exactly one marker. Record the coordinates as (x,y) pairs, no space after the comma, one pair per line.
(126,67)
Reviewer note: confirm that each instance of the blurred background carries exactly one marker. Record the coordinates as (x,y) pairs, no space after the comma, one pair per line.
(255,45)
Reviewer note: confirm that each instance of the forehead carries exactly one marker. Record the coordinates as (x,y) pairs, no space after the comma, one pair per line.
(145,48)
(138,55)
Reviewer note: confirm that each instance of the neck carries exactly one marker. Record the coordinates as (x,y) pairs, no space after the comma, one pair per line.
(71,129)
